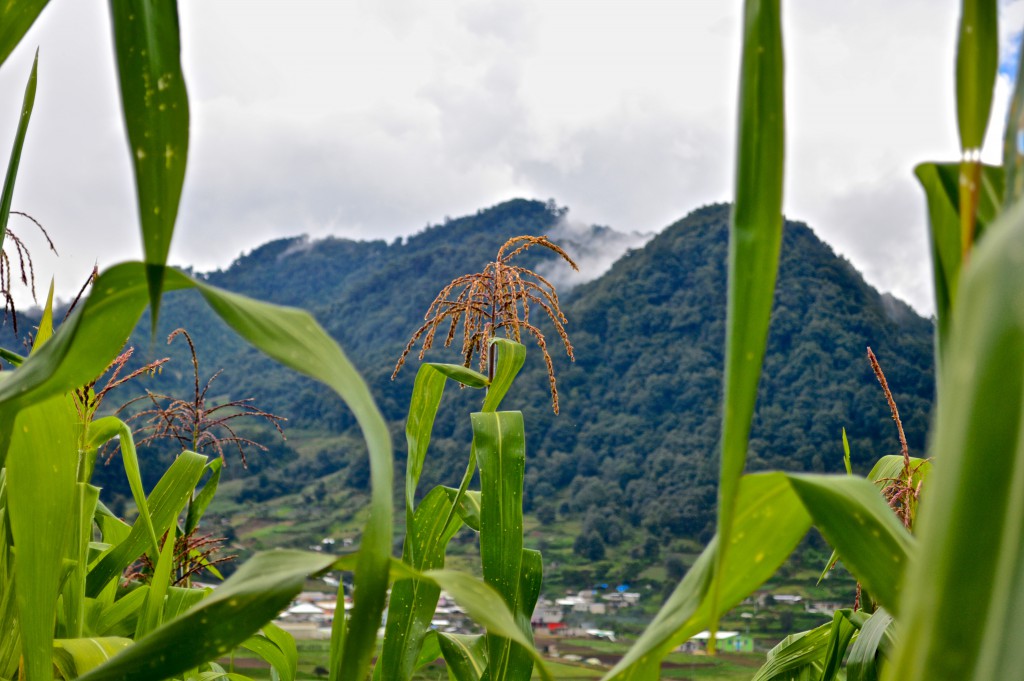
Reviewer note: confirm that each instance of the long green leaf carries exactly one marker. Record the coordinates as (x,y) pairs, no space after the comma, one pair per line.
(43,456)
(845,626)
(977,60)
(796,654)
(7,194)
(155,105)
(466,656)
(867,651)
(293,338)
(754,240)
(272,654)
(531,577)
(510,359)
(486,606)
(426,396)
(100,432)
(16,18)
(1013,143)
(962,607)
(84,345)
(413,601)
(73,595)
(260,589)
(941,184)
(500,444)
(202,501)
(152,614)
(74,657)
(854,518)
(286,644)
(770,522)
(165,503)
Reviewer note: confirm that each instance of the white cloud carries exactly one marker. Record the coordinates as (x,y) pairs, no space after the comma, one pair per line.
(370,119)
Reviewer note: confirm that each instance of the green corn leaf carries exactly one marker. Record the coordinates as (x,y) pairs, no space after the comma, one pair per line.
(469,507)
(413,601)
(45,328)
(121,617)
(74,657)
(485,605)
(845,626)
(293,338)
(426,396)
(855,519)
(260,589)
(273,655)
(285,643)
(180,600)
(86,342)
(962,611)
(846,454)
(100,432)
(15,20)
(510,358)
(941,184)
(500,444)
(798,656)
(73,595)
(977,60)
(754,240)
(92,336)
(1013,140)
(466,656)
(165,502)
(155,105)
(152,613)
(43,456)
(866,653)
(7,194)
(429,652)
(531,577)
(770,522)
(464,375)
(890,467)
(202,501)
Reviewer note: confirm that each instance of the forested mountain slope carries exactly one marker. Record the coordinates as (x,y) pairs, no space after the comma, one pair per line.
(633,453)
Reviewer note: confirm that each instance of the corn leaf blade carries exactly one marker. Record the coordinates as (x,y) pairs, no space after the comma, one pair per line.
(755,237)
(977,60)
(43,456)
(260,589)
(500,443)
(413,601)
(855,519)
(155,105)
(961,608)
(770,523)
(7,194)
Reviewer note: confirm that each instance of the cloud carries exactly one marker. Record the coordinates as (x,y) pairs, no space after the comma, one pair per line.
(371,119)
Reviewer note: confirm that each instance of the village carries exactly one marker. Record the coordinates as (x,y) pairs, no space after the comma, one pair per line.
(584,614)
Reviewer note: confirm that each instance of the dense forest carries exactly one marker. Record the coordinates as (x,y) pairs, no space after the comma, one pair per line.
(632,456)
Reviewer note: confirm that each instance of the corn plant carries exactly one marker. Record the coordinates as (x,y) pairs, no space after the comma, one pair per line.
(61,613)
(944,602)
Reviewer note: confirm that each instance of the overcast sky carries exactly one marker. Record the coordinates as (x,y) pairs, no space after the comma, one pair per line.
(372,119)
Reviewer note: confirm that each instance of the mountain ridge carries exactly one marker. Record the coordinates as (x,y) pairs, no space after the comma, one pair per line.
(632,459)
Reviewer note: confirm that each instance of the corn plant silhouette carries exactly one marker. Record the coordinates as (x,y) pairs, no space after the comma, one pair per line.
(498,299)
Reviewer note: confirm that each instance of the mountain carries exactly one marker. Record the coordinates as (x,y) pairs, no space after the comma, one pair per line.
(629,466)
